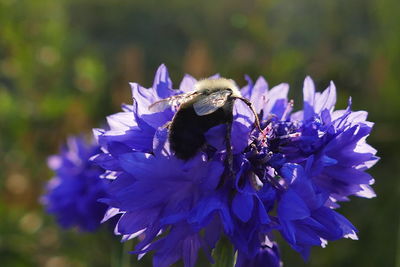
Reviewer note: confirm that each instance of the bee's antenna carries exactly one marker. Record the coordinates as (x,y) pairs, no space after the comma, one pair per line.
(250,105)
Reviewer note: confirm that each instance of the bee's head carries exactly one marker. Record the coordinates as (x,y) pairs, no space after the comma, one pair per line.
(208,86)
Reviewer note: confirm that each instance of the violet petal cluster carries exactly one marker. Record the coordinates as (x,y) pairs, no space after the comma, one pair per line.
(288,179)
(72,195)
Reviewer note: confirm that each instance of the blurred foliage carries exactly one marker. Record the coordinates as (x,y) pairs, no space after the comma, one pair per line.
(65,65)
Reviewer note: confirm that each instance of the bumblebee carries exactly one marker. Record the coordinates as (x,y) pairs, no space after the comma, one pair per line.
(208,105)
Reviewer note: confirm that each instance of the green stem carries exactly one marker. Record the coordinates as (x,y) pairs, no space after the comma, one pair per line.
(126,256)
(115,253)
(224,254)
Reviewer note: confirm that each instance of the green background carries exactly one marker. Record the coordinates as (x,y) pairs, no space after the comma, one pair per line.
(65,65)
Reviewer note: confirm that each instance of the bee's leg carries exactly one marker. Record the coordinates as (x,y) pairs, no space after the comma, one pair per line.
(250,105)
(167,124)
(229,153)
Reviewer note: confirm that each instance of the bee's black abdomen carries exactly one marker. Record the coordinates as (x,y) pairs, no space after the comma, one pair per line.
(186,132)
(184,137)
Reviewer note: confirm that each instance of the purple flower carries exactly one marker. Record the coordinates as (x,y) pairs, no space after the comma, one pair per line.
(300,165)
(72,195)
(304,219)
(335,139)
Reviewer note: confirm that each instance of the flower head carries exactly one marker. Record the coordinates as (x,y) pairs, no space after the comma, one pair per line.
(286,179)
(335,139)
(72,195)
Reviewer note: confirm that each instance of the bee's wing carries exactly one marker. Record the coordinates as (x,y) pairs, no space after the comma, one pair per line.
(210,103)
(171,101)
